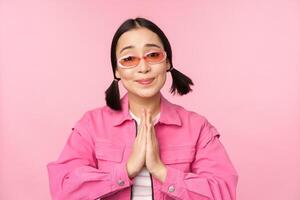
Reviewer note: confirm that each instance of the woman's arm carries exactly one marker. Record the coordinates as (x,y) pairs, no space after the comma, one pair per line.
(75,175)
(213,176)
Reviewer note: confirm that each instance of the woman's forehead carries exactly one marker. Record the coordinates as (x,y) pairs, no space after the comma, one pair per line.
(136,39)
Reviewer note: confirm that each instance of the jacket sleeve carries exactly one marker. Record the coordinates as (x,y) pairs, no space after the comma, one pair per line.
(212,176)
(75,175)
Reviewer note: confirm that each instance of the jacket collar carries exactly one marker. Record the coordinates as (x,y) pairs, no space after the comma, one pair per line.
(168,112)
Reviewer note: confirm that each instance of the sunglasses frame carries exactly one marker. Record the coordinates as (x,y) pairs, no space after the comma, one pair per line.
(140,58)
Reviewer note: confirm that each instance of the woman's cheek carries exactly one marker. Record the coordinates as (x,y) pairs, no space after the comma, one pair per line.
(127,84)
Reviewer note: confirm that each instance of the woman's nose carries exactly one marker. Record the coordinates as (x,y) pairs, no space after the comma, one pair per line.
(143,66)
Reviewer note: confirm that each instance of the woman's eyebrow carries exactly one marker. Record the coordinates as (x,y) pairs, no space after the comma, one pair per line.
(128,47)
(146,45)
(152,45)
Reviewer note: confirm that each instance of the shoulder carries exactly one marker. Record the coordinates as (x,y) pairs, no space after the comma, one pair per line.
(89,120)
(98,116)
(204,127)
(188,115)
(94,114)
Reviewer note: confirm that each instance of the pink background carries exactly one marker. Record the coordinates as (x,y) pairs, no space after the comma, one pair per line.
(243,57)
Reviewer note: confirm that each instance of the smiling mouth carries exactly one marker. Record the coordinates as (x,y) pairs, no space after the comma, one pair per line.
(145,81)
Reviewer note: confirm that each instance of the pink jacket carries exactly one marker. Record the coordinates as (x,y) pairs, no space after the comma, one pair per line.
(92,164)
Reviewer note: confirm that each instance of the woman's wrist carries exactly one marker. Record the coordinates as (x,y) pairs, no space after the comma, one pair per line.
(160,173)
(130,173)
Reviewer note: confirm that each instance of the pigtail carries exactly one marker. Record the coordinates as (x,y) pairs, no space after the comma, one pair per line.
(181,83)
(112,96)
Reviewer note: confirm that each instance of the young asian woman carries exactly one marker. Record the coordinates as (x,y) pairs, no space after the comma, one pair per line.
(140,145)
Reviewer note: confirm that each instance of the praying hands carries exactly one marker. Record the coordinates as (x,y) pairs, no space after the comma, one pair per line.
(145,150)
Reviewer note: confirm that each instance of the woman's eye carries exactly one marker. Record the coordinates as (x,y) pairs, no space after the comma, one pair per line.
(129,58)
(154,54)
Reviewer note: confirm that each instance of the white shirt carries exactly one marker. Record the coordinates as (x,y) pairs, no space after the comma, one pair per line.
(142,183)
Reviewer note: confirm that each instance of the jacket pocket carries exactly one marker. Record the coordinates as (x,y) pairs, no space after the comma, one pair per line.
(178,156)
(108,152)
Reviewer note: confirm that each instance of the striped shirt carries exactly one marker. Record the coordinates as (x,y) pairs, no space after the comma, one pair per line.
(142,183)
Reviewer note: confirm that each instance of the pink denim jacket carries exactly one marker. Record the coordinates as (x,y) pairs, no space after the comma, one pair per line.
(92,164)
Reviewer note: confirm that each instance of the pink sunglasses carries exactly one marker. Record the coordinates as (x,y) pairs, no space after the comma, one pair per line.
(151,57)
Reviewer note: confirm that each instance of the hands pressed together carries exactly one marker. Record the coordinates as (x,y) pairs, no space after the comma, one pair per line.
(145,150)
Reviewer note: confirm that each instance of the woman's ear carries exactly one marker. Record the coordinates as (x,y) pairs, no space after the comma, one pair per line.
(117,74)
(168,64)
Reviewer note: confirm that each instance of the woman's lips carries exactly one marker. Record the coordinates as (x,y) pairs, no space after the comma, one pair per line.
(145,81)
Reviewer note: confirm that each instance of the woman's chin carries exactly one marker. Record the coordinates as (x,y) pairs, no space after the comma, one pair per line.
(146,92)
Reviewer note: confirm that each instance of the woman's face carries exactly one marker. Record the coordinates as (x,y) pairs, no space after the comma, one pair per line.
(141,41)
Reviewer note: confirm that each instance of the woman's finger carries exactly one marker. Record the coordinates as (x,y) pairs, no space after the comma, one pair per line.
(144,123)
(154,139)
(141,128)
(149,119)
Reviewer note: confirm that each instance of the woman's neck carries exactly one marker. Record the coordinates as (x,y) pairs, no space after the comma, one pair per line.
(136,103)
